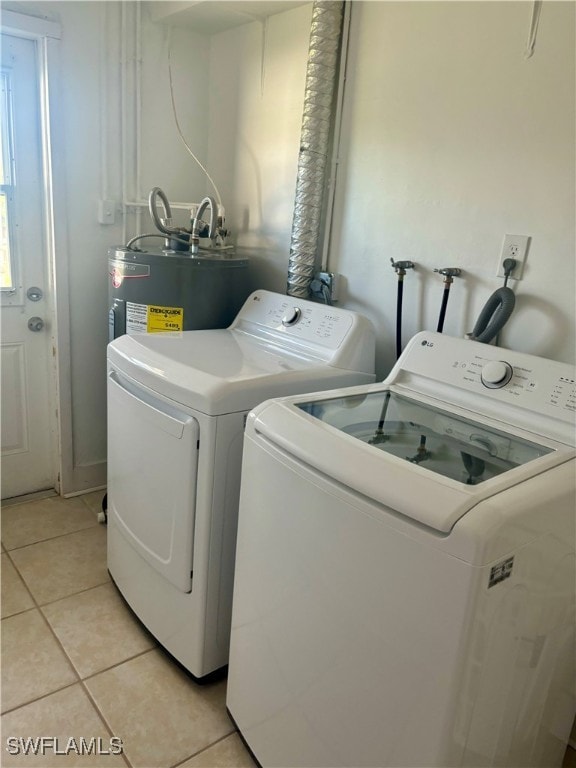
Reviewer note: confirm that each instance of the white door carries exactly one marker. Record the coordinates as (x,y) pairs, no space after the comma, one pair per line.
(28,420)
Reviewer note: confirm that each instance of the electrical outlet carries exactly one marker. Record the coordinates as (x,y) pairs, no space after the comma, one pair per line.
(514,247)
(106,211)
(325,281)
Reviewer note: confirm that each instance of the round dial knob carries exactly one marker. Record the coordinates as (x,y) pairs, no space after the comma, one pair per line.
(292,316)
(496,374)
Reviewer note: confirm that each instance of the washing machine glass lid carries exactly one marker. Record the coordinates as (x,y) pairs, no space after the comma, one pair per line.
(452,446)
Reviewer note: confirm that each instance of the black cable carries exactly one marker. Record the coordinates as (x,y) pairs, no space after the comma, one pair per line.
(449,274)
(509,267)
(443,307)
(400,268)
(383,411)
(399,316)
(380,436)
(474,466)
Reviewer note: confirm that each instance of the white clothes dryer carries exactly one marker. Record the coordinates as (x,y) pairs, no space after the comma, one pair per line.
(177,405)
(404,589)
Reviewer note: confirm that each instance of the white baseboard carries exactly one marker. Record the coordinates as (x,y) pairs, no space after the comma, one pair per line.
(83,479)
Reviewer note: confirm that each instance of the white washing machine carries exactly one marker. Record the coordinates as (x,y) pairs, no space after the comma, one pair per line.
(404,589)
(177,405)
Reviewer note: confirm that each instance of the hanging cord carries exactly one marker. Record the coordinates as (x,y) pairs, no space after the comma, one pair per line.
(174,112)
(400,268)
(494,315)
(509,267)
(497,310)
(534,21)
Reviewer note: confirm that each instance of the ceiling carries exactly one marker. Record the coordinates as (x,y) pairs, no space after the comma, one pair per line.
(212,16)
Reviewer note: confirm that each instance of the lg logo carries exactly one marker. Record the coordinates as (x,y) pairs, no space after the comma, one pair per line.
(427,343)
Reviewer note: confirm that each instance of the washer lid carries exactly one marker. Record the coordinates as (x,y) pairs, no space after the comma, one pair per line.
(415,458)
(218,371)
(445,443)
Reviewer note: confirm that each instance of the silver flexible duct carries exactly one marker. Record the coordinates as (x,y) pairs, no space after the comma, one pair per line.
(321,77)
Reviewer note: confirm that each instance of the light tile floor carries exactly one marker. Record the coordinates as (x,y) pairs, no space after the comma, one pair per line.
(77,664)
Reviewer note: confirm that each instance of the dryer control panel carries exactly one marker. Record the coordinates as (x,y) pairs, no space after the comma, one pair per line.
(297,318)
(317,330)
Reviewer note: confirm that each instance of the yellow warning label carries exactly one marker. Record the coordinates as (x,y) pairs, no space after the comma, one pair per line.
(165,319)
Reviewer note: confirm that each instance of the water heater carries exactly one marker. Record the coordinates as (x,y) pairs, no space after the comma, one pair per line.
(154,290)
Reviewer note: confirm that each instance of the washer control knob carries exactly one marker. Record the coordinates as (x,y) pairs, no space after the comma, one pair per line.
(496,374)
(292,316)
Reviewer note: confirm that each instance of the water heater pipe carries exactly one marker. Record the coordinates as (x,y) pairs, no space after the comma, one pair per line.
(321,77)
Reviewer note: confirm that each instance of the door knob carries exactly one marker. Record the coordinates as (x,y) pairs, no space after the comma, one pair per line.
(35,324)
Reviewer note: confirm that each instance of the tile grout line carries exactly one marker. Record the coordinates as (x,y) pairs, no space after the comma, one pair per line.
(165,654)
(205,749)
(36,607)
(107,725)
(73,594)
(50,538)
(26,587)
(79,679)
(48,602)
(92,675)
(62,501)
(39,698)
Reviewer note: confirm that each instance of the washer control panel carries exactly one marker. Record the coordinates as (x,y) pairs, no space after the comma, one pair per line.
(532,385)
(470,372)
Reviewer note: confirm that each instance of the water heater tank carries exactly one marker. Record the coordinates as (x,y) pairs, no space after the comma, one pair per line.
(154,290)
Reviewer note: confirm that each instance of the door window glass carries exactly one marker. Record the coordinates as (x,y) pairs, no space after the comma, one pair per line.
(7,188)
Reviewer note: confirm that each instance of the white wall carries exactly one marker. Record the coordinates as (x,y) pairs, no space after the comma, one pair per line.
(257,79)
(451,139)
(165,162)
